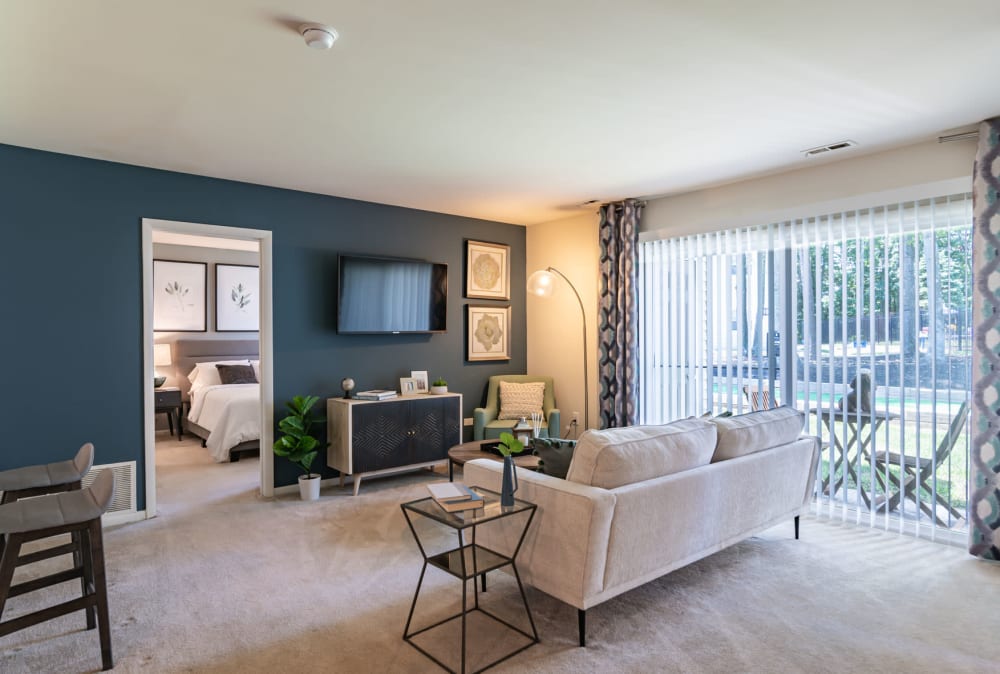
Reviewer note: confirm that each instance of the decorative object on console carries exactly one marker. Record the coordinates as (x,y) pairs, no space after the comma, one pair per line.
(439,386)
(375,394)
(508,446)
(408,386)
(298,446)
(487,271)
(421,378)
(161,357)
(179,296)
(237,289)
(542,283)
(488,335)
(348,385)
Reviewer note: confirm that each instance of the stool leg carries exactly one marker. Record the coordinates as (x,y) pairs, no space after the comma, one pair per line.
(82,558)
(8,562)
(101,586)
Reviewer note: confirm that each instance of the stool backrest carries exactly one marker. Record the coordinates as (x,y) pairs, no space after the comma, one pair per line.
(103,489)
(84,458)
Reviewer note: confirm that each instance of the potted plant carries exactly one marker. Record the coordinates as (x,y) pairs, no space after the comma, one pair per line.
(439,386)
(298,445)
(508,446)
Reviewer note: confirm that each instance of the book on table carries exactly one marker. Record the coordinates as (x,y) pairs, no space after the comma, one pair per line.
(375,394)
(454,496)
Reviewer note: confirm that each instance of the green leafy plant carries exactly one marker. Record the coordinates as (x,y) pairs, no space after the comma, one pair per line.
(297,444)
(510,445)
(439,382)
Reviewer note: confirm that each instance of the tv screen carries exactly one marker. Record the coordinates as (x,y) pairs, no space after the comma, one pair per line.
(391,295)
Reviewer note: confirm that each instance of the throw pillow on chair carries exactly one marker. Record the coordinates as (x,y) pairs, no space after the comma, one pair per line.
(521,400)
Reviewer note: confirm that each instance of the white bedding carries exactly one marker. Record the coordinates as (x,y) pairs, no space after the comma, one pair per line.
(231,414)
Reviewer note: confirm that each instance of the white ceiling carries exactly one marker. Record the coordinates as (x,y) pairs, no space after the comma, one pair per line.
(515,111)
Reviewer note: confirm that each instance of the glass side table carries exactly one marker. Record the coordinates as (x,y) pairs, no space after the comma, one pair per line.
(469,560)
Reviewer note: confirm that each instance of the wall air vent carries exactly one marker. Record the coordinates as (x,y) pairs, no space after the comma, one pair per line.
(832,147)
(124,472)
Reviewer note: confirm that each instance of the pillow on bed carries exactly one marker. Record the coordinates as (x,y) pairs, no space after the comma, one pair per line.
(236,374)
(205,374)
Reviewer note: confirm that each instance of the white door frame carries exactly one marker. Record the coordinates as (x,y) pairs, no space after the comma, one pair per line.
(263,238)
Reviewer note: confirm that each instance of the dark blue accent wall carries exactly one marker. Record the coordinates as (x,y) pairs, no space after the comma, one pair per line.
(71,287)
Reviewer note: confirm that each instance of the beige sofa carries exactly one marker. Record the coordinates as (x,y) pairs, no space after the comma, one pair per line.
(639,502)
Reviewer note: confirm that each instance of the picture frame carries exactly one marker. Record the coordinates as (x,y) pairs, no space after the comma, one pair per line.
(420,376)
(487,270)
(488,332)
(180,296)
(408,386)
(237,298)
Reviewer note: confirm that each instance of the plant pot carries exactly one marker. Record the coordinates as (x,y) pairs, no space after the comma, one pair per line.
(309,486)
(438,390)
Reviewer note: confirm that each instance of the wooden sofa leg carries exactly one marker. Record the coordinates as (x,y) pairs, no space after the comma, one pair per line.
(796,527)
(581,618)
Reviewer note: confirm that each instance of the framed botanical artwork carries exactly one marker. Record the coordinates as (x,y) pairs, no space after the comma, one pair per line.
(179,296)
(488,335)
(237,297)
(487,271)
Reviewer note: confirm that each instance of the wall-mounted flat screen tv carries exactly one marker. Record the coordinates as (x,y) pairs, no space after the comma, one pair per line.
(391,295)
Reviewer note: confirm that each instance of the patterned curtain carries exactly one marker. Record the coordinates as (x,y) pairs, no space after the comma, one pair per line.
(984,501)
(618,313)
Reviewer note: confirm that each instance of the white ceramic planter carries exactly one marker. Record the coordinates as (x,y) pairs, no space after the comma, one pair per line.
(438,390)
(309,486)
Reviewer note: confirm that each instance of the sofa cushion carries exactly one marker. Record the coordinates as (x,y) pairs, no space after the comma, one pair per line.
(619,456)
(521,400)
(748,433)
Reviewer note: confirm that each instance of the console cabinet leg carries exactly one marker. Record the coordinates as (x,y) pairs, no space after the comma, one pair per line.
(796,527)
(581,618)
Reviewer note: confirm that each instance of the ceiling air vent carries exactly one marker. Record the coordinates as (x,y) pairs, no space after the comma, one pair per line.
(832,147)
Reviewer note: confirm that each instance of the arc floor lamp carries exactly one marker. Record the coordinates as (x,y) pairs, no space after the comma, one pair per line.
(542,283)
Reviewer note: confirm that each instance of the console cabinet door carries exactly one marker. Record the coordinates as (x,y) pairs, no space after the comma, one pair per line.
(381,436)
(435,425)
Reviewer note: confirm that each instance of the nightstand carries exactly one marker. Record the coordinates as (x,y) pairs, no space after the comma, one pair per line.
(168,399)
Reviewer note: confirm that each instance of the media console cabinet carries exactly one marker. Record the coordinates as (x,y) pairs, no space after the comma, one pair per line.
(381,437)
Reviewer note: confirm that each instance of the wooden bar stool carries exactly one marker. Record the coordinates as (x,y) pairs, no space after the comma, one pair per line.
(74,512)
(47,478)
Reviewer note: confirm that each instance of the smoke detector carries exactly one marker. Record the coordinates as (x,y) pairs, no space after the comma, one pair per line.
(317,35)
(832,147)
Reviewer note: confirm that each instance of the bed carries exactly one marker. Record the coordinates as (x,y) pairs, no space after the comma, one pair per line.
(225,416)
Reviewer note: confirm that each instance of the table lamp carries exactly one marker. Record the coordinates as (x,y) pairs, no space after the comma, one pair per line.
(161,356)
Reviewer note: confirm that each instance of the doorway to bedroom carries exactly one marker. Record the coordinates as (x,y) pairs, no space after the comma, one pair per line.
(207,333)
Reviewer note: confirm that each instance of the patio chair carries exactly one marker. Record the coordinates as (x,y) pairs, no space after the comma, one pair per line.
(919,473)
(759,399)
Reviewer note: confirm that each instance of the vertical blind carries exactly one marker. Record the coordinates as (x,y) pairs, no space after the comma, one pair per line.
(797,310)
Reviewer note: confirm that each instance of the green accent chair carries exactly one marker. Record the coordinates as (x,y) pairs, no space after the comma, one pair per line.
(485,422)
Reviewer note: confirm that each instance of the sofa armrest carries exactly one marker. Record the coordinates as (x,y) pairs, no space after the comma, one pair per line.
(480,417)
(565,549)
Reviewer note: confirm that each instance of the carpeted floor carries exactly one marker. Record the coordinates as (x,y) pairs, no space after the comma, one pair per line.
(225,582)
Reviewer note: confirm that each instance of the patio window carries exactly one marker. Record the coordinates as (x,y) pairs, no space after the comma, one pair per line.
(796,312)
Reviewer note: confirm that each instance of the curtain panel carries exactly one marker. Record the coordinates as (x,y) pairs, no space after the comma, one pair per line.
(984,497)
(618,313)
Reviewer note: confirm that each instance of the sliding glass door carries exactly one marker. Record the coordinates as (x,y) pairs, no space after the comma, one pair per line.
(860,319)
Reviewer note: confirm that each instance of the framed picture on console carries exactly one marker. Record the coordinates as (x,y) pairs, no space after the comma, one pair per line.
(179,296)
(488,333)
(237,294)
(487,271)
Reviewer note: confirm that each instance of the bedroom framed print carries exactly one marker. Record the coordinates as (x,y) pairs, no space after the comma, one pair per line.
(488,333)
(237,293)
(487,270)
(179,296)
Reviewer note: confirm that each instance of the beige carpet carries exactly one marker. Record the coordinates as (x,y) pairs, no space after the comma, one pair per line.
(223,582)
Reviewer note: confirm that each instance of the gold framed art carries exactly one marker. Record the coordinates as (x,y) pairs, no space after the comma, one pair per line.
(488,332)
(487,270)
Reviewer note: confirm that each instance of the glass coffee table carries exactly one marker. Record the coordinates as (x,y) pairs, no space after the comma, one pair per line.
(467,561)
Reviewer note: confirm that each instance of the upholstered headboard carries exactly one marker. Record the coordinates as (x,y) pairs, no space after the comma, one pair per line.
(187,352)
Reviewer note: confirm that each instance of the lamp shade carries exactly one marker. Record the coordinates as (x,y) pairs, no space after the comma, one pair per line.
(161,355)
(542,283)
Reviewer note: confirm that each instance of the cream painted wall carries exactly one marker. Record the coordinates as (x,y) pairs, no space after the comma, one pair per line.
(911,172)
(555,339)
